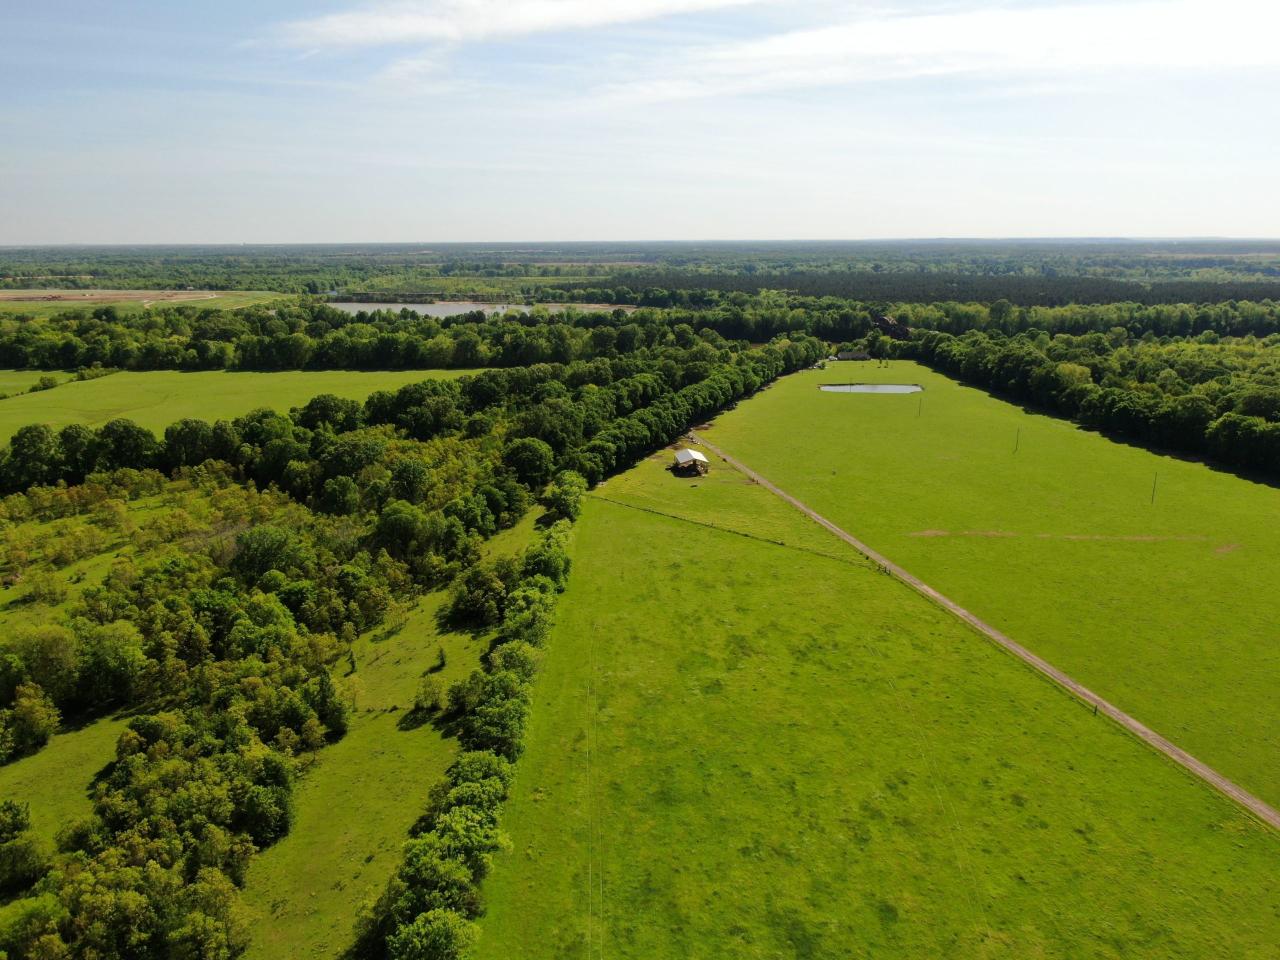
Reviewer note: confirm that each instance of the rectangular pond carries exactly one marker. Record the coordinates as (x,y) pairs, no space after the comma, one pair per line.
(870,387)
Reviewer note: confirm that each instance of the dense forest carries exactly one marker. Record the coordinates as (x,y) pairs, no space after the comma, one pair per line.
(1028,273)
(307,334)
(258,549)
(670,288)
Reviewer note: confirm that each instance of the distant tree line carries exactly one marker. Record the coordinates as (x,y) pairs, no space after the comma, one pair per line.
(842,268)
(675,288)
(312,335)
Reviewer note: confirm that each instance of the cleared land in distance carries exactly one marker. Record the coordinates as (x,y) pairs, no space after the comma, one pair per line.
(45,303)
(744,749)
(157,398)
(1167,609)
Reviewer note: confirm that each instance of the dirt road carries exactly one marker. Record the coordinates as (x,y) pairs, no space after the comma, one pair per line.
(1264,812)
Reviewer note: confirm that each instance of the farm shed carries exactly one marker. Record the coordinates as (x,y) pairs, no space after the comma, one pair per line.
(690,461)
(853,355)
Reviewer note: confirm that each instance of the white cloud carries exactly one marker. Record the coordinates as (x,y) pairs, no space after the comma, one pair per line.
(425,21)
(1065,39)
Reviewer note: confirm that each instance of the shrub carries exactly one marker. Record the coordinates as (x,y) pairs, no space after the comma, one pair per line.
(29,724)
(564,496)
(435,935)
(531,460)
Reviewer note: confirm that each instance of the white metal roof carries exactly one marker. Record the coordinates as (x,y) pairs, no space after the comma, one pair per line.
(689,456)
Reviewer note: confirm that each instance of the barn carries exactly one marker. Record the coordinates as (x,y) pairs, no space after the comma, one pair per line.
(690,462)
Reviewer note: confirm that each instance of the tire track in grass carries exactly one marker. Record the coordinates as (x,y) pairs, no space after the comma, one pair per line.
(1262,811)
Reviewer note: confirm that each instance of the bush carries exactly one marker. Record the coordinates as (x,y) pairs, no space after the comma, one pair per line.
(531,460)
(479,597)
(23,861)
(44,587)
(564,496)
(429,696)
(29,724)
(15,818)
(435,935)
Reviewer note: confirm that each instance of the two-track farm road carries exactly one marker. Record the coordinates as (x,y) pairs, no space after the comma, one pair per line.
(1264,812)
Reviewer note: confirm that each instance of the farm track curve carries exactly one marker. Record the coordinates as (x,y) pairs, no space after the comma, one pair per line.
(1263,811)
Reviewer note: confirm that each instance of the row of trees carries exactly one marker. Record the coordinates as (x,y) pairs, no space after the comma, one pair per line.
(312,335)
(428,909)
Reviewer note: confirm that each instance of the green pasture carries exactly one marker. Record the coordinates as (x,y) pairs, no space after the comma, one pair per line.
(354,807)
(744,748)
(56,781)
(155,399)
(34,304)
(20,381)
(1049,532)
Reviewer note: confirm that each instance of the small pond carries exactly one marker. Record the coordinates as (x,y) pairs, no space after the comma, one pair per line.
(871,387)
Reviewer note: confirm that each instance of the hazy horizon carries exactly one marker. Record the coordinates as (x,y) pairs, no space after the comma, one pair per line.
(659,241)
(637,121)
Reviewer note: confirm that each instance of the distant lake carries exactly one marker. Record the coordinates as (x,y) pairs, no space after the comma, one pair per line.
(451,308)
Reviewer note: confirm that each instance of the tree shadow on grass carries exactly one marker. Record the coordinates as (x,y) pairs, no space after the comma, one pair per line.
(1031,408)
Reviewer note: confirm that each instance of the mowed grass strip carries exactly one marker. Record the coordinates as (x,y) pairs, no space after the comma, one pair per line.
(740,749)
(155,399)
(1167,609)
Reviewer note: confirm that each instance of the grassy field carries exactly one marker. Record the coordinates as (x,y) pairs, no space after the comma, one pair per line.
(1168,609)
(354,808)
(745,748)
(55,782)
(37,303)
(157,398)
(20,381)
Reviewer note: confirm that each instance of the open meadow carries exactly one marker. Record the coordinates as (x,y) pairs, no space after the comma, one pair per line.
(1166,608)
(47,302)
(355,806)
(156,398)
(747,742)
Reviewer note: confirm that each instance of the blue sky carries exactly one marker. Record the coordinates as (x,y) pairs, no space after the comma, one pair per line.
(433,120)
